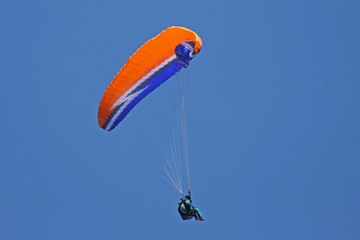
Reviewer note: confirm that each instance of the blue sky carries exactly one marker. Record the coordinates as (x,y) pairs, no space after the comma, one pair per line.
(274,121)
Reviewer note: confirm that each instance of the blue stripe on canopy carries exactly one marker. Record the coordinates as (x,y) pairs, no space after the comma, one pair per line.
(154,81)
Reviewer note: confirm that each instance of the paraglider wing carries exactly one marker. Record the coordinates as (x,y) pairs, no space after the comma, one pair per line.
(151,65)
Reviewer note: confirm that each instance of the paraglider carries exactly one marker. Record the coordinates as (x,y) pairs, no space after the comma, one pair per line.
(187,210)
(151,65)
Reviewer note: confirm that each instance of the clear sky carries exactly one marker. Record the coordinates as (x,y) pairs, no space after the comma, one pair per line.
(274,121)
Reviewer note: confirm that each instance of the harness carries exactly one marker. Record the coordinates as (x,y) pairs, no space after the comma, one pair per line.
(184,212)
